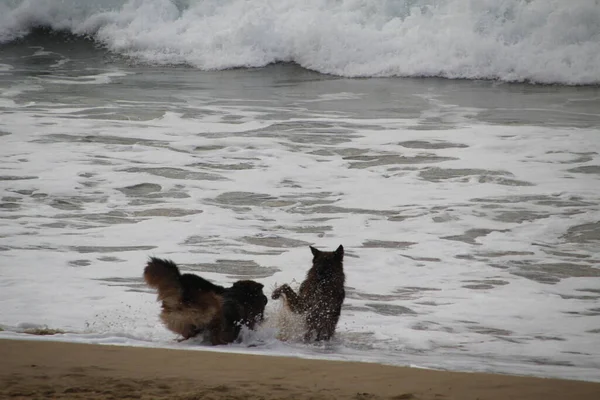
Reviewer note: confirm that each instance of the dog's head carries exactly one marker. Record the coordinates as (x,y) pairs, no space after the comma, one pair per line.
(251,296)
(326,263)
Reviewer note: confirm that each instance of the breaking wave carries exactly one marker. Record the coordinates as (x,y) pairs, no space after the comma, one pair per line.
(541,41)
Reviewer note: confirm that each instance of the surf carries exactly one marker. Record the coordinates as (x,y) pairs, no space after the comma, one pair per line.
(538,41)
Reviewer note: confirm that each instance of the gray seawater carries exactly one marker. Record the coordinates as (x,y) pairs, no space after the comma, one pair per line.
(83,99)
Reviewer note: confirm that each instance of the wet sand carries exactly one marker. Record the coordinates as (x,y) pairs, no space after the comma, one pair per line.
(56,370)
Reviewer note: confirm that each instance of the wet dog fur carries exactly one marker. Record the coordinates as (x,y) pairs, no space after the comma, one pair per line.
(191,305)
(320,296)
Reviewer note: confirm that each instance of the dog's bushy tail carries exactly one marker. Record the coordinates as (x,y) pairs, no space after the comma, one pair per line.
(164,276)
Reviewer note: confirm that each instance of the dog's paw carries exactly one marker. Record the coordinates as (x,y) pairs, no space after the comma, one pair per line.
(278,292)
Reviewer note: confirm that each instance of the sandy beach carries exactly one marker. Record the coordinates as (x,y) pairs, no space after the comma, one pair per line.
(56,370)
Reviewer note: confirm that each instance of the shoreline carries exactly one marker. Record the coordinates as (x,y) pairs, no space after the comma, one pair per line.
(62,370)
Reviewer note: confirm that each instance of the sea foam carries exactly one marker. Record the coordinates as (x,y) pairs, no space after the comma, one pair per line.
(543,41)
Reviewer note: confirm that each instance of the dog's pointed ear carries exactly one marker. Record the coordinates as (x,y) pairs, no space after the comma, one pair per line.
(339,252)
(314,251)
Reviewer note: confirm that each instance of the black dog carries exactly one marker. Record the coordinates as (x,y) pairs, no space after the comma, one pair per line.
(321,294)
(191,305)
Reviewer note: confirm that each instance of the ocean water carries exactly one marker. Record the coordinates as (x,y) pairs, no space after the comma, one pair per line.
(231,135)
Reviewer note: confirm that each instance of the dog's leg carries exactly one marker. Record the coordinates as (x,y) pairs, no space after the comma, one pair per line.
(228,335)
(314,321)
(308,336)
(293,301)
(324,333)
(330,323)
(215,329)
(222,330)
(189,332)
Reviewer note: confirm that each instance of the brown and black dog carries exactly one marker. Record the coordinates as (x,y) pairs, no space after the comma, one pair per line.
(191,305)
(321,294)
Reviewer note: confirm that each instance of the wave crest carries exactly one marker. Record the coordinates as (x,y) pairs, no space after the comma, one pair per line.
(543,41)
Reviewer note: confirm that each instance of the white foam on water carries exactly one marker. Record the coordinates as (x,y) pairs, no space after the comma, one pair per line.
(5,68)
(94,79)
(18,89)
(546,41)
(441,254)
